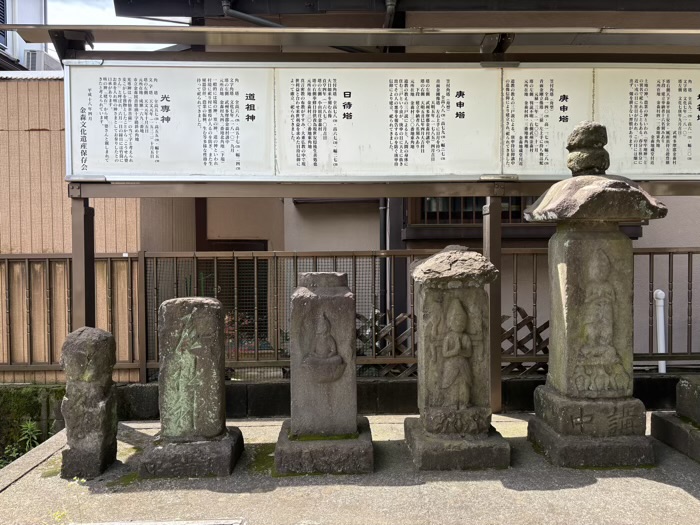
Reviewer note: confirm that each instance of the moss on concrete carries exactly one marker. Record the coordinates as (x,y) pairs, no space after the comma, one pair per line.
(322,437)
(125,480)
(52,468)
(263,458)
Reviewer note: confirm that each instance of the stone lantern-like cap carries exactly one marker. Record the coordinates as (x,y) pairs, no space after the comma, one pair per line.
(455,264)
(595,198)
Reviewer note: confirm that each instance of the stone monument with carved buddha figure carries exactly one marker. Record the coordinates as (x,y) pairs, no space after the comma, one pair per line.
(585,414)
(324,434)
(454,429)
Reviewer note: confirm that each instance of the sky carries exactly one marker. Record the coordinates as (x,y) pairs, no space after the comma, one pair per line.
(97,12)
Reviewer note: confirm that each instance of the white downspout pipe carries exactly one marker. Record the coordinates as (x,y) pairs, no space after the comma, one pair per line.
(659,303)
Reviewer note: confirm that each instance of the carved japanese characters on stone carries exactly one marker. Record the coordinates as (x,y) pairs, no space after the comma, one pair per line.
(599,365)
(323,360)
(456,374)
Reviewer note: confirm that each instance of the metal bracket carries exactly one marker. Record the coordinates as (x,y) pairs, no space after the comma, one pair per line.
(67,41)
(75,190)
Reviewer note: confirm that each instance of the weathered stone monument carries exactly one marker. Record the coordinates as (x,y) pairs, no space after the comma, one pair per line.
(194,440)
(585,414)
(89,407)
(454,430)
(682,429)
(324,434)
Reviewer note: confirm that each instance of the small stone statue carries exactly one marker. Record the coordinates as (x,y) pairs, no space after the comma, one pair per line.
(456,377)
(587,154)
(89,407)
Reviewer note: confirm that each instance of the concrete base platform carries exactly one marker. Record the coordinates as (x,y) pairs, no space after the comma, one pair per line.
(193,459)
(585,451)
(676,433)
(438,452)
(325,456)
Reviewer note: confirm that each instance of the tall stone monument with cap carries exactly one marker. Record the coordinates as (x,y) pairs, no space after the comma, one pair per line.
(89,407)
(324,434)
(454,429)
(682,429)
(585,415)
(194,439)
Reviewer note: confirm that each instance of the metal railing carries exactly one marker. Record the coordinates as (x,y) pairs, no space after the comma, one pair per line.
(255,290)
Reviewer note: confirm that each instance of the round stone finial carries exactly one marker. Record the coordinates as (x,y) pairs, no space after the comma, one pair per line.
(455,264)
(587,154)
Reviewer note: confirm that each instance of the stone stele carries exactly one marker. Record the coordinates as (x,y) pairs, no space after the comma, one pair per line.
(585,414)
(682,429)
(89,407)
(324,434)
(454,429)
(194,439)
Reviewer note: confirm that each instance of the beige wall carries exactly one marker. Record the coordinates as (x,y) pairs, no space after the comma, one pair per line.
(168,224)
(247,219)
(338,226)
(680,228)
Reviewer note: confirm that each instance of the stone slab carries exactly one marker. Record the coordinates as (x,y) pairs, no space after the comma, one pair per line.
(590,417)
(328,456)
(215,457)
(441,452)
(586,452)
(688,397)
(681,435)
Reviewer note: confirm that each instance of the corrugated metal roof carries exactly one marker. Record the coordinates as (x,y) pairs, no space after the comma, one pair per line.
(31,75)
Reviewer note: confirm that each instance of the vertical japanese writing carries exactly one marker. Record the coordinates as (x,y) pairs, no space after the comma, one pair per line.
(418,110)
(128,112)
(83,139)
(314,118)
(510,142)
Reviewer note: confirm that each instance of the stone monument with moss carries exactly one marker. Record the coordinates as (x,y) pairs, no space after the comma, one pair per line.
(324,433)
(194,439)
(454,429)
(89,407)
(682,429)
(585,414)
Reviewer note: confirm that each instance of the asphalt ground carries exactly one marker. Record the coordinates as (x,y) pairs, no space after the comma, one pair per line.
(530,492)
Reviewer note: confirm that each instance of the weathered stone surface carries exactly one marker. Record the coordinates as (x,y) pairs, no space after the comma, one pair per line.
(325,456)
(322,340)
(590,417)
(89,407)
(591,287)
(455,266)
(688,398)
(676,433)
(585,451)
(453,363)
(592,198)
(211,457)
(587,134)
(440,452)
(191,380)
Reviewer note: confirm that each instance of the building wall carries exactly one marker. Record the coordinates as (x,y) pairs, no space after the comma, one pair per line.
(334,227)
(168,224)
(247,219)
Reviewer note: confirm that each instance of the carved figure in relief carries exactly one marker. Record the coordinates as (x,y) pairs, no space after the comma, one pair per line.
(181,409)
(455,379)
(323,360)
(599,367)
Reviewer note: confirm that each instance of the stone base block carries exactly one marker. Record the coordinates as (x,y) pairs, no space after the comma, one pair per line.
(215,457)
(676,433)
(471,420)
(586,451)
(325,456)
(688,398)
(590,417)
(83,464)
(438,452)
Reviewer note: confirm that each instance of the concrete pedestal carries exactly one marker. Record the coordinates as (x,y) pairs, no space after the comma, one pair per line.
(455,452)
(325,456)
(678,433)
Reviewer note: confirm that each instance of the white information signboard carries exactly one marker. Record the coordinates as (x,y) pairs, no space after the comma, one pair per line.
(171,121)
(655,115)
(540,108)
(392,122)
(265,122)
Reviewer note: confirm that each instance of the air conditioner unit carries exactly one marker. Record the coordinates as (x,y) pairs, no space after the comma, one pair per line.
(35,60)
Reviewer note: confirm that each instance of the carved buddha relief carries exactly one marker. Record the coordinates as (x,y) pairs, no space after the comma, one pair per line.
(323,360)
(599,367)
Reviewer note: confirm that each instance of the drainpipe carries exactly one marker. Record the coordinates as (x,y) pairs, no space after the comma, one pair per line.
(255,20)
(659,297)
(384,260)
